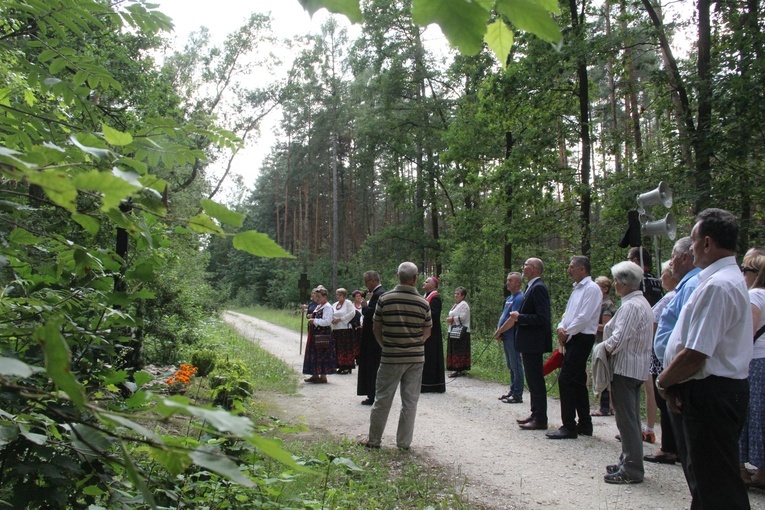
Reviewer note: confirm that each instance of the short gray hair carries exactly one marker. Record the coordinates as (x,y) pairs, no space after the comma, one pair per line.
(683,245)
(628,274)
(407,272)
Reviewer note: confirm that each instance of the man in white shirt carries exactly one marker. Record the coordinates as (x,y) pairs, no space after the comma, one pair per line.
(576,333)
(707,365)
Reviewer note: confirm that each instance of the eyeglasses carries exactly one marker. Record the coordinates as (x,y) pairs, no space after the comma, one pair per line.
(747,269)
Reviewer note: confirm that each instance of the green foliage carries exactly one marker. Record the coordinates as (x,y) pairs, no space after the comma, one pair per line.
(465,22)
(205,361)
(263,371)
(230,383)
(94,262)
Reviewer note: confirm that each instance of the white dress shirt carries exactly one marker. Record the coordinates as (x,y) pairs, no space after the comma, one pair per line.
(716,321)
(583,308)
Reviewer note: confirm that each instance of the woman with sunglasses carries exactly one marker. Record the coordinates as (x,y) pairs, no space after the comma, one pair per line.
(752,441)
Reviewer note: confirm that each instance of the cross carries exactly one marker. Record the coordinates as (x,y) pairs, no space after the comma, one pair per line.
(303,285)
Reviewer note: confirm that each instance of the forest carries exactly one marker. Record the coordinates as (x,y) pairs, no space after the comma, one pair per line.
(531,137)
(466,165)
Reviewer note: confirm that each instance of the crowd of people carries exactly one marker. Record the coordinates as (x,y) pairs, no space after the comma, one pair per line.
(690,340)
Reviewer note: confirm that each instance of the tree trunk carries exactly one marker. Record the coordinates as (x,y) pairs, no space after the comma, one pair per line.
(434,216)
(701,142)
(632,96)
(616,146)
(335,229)
(507,249)
(577,24)
(678,93)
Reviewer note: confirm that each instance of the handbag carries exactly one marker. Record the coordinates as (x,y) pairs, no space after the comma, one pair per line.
(356,321)
(759,333)
(458,332)
(322,342)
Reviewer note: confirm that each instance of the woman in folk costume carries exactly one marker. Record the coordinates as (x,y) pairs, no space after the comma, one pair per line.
(433,380)
(343,312)
(458,349)
(320,357)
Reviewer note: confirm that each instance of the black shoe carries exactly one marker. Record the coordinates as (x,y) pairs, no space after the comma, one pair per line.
(661,458)
(584,431)
(367,401)
(561,433)
(613,468)
(620,478)
(533,425)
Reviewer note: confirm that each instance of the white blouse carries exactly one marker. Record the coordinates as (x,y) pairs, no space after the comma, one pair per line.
(461,314)
(757,297)
(345,313)
(326,316)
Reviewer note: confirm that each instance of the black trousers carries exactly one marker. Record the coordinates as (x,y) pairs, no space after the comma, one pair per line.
(668,443)
(572,381)
(532,367)
(707,431)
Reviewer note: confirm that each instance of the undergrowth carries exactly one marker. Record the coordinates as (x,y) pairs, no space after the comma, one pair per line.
(345,475)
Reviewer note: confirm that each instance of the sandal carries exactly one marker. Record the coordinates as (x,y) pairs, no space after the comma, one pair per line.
(601,413)
(512,400)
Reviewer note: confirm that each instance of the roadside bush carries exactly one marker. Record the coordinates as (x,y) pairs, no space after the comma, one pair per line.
(205,361)
(230,382)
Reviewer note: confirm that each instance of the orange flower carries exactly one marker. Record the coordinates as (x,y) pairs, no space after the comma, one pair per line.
(183,375)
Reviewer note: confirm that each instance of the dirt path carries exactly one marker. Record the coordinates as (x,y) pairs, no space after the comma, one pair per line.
(469,431)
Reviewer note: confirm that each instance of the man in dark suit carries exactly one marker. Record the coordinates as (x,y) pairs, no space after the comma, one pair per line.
(370,351)
(533,338)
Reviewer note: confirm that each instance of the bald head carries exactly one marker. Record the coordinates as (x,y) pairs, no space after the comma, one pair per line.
(533,268)
(407,273)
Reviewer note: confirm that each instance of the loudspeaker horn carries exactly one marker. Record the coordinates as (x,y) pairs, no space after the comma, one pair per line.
(666,226)
(661,195)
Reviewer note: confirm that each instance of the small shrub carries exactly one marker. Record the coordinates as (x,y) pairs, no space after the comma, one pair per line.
(230,382)
(205,361)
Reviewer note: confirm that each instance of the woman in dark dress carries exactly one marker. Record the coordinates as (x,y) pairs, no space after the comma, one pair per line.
(342,332)
(458,350)
(320,360)
(433,378)
(358,304)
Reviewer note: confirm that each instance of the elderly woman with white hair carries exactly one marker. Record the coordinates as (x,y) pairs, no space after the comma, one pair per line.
(627,343)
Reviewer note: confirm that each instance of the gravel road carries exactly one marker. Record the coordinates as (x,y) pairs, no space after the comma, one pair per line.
(474,435)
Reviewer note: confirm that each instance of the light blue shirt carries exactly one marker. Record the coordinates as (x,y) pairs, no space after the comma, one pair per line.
(512,304)
(671,312)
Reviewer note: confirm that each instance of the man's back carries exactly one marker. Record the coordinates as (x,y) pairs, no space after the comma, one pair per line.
(403,314)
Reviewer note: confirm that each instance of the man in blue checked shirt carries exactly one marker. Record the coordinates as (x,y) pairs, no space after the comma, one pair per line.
(506,334)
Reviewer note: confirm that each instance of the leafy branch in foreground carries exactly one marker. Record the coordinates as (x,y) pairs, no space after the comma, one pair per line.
(93,146)
(468,24)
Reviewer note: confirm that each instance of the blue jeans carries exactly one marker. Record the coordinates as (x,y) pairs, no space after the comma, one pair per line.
(515,365)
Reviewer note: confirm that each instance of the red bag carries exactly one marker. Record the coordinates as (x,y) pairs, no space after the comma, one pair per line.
(553,362)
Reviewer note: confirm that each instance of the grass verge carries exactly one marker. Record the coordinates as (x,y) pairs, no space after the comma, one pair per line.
(290,319)
(346,476)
